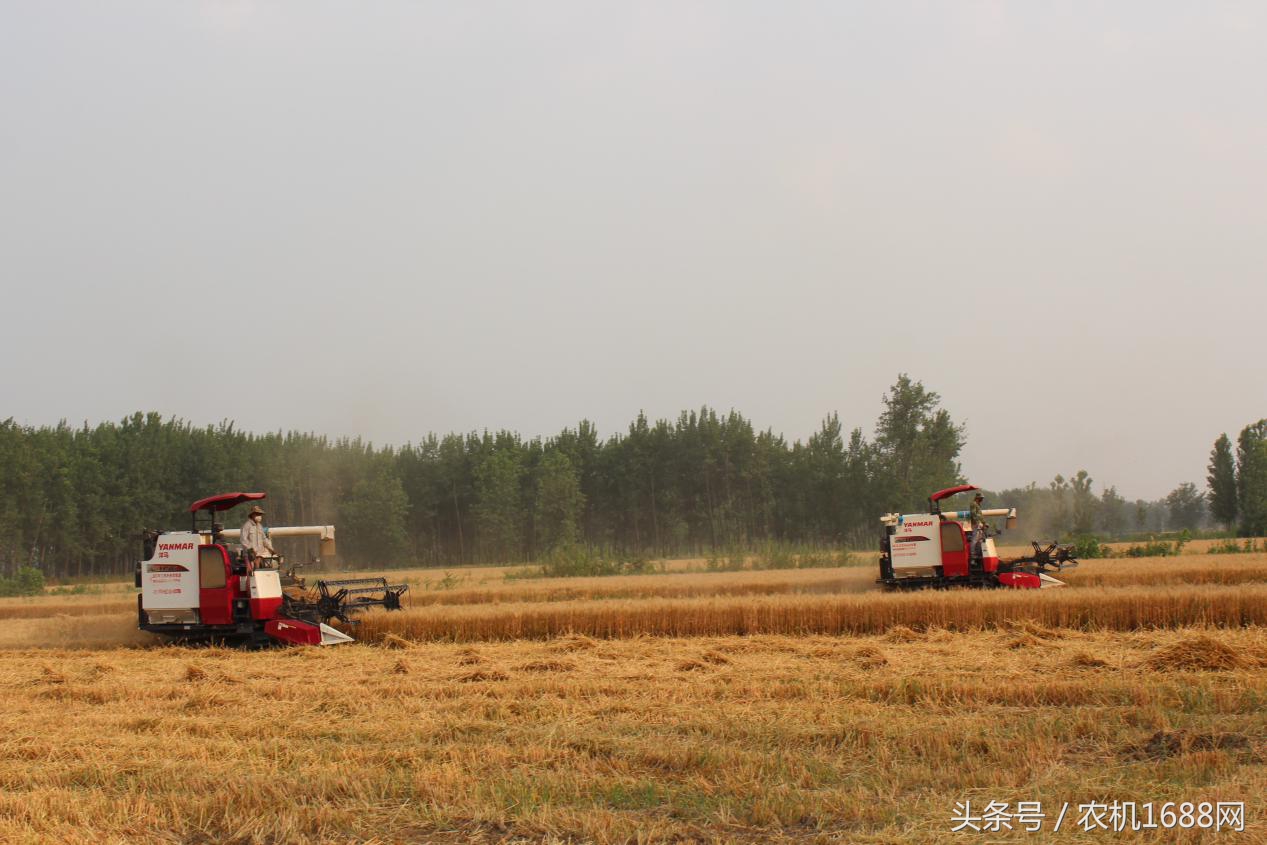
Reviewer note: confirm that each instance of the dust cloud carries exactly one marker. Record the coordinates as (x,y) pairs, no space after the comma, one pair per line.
(116,630)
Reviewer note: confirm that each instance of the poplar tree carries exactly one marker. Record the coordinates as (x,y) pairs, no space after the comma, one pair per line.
(1222,483)
(559,502)
(497,510)
(1251,479)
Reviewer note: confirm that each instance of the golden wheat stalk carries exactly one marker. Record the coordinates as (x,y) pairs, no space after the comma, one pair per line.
(1119,609)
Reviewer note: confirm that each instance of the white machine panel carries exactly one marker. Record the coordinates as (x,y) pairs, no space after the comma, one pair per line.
(266,584)
(169,580)
(916,542)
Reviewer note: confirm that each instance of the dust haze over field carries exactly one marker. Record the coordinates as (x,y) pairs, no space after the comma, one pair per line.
(450,218)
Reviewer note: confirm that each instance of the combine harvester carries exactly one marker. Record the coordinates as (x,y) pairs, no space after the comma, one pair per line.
(198,585)
(936,549)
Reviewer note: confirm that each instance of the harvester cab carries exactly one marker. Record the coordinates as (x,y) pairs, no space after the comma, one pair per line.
(199,585)
(937,549)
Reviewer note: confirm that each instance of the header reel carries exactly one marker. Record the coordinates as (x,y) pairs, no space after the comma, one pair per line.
(1053,556)
(341,598)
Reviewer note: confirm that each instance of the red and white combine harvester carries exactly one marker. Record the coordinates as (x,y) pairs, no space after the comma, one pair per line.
(198,585)
(937,549)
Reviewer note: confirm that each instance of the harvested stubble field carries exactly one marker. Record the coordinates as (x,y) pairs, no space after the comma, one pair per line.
(689,707)
(751,739)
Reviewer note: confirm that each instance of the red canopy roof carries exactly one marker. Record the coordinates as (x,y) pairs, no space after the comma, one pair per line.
(950,491)
(224,501)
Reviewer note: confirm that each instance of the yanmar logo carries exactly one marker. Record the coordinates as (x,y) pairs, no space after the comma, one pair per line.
(918,524)
(175,547)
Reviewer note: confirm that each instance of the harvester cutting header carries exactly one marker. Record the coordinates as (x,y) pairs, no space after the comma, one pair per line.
(945,548)
(198,585)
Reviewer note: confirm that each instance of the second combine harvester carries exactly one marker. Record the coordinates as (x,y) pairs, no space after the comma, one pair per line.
(936,549)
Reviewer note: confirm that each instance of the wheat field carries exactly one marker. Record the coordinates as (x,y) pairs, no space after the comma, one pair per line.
(771,706)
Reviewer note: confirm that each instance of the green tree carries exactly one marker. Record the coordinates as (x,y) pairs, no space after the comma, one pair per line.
(560,502)
(1186,507)
(1222,482)
(1251,479)
(859,493)
(825,477)
(917,445)
(1084,503)
(498,510)
(1112,511)
(373,517)
(1059,509)
(1141,515)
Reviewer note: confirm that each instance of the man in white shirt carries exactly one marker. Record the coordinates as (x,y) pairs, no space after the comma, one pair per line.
(253,536)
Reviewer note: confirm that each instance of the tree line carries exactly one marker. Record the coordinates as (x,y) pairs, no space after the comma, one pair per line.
(1235,498)
(1067,508)
(73,500)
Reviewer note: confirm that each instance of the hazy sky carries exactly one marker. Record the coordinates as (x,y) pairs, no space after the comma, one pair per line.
(392,218)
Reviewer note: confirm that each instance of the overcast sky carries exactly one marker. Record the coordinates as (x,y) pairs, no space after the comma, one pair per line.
(384,219)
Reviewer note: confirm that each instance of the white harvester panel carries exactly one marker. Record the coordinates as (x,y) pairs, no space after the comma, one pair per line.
(266,594)
(266,584)
(916,541)
(169,580)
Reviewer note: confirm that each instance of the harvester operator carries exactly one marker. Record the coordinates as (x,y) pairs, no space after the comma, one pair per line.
(978,524)
(253,536)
